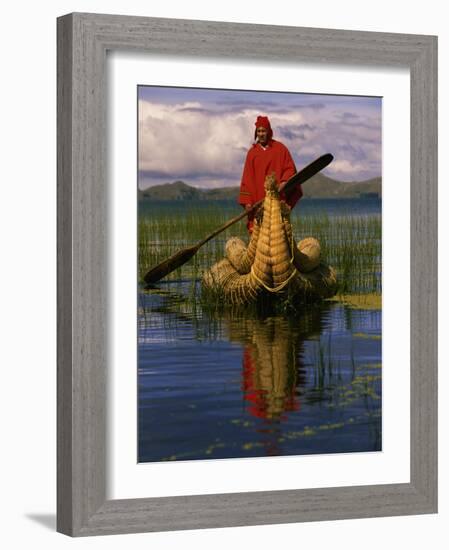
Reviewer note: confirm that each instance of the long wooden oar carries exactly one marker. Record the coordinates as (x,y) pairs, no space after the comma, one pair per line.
(182,256)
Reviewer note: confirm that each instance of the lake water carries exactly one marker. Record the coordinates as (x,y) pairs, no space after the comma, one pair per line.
(214,386)
(305,207)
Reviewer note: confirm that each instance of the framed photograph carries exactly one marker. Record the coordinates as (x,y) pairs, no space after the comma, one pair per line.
(280,368)
(284,357)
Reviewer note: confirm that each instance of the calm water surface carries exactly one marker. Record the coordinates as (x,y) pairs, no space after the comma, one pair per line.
(219,386)
(241,387)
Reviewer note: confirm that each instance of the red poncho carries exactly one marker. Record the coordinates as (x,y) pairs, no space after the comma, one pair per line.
(261,162)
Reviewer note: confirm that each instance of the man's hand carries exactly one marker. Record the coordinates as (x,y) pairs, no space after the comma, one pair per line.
(248,207)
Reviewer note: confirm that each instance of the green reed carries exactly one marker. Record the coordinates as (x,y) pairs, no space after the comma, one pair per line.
(350,243)
(164,233)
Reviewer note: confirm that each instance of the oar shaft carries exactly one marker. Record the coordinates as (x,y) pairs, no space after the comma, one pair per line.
(229,223)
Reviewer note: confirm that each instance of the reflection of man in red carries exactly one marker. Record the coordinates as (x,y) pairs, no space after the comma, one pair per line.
(265,157)
(269,386)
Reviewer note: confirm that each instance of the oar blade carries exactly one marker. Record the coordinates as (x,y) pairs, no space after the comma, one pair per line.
(308,172)
(170,264)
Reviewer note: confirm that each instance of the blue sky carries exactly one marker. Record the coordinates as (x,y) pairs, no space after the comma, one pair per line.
(202,136)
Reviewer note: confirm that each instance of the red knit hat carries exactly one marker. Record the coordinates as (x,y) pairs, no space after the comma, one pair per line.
(263,121)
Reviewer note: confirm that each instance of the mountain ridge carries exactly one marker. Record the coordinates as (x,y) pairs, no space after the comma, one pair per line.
(320,186)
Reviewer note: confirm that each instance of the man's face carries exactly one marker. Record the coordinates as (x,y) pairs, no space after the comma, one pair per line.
(262,135)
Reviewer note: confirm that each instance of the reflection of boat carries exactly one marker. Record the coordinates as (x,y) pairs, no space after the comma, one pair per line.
(272,265)
(272,369)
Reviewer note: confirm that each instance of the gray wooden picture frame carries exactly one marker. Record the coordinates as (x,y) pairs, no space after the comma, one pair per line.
(83,41)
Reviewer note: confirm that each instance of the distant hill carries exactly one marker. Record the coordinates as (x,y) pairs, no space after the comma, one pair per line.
(320,186)
(179,190)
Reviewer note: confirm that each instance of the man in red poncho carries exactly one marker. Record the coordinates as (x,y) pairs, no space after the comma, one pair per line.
(265,157)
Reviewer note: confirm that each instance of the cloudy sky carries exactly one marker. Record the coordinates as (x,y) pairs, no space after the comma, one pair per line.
(202,136)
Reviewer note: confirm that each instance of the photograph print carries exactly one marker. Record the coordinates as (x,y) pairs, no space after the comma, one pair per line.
(259,274)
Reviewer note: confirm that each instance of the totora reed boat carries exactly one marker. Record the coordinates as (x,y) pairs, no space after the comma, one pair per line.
(273,266)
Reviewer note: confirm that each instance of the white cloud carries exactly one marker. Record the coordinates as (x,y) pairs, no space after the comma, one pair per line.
(190,141)
(182,138)
(346,167)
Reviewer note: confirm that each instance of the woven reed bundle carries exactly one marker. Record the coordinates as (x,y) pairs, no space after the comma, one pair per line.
(238,289)
(272,265)
(317,284)
(307,254)
(239,255)
(261,268)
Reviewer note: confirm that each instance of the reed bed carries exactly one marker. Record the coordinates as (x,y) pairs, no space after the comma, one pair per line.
(351,243)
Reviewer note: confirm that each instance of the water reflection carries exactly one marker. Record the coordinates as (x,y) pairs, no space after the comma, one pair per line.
(232,385)
(272,367)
